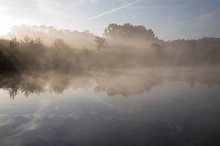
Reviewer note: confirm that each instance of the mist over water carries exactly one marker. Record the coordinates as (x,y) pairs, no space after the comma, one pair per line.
(175,106)
(124,82)
(127,87)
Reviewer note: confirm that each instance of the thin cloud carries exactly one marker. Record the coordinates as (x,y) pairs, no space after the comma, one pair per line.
(108,12)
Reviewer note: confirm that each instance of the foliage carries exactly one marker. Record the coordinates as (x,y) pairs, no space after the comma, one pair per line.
(128,31)
(101,43)
(158,50)
(31,55)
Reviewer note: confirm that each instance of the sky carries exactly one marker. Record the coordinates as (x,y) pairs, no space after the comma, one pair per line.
(169,19)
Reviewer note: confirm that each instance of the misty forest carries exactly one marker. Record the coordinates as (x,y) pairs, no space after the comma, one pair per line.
(109,73)
(40,48)
(126,87)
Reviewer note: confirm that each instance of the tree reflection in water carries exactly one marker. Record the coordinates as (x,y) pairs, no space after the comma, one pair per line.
(169,115)
(113,82)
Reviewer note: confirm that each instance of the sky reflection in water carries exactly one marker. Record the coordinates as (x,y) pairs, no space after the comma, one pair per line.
(142,107)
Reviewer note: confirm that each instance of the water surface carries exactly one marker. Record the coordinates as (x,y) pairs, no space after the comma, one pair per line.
(156,107)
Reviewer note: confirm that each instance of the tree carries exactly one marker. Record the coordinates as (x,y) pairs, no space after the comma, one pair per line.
(101,43)
(158,50)
(60,44)
(13,51)
(128,31)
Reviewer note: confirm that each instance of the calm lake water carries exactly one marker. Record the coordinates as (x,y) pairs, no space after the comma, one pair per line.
(138,107)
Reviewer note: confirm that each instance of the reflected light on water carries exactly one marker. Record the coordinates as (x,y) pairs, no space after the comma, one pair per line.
(115,108)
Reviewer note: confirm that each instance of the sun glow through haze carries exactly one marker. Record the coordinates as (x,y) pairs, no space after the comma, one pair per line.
(169,19)
(8,21)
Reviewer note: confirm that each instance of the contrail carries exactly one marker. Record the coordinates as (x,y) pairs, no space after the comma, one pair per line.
(155,7)
(108,12)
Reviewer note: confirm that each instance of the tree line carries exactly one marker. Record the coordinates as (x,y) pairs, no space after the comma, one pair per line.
(120,46)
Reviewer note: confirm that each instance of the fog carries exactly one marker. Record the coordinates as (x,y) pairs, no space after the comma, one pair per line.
(123,83)
(48,34)
(126,60)
(128,86)
(42,48)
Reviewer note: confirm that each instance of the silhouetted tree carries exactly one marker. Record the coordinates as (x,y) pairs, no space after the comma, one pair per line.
(6,65)
(101,43)
(158,50)
(128,31)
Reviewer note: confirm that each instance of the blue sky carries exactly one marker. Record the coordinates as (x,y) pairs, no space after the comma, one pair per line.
(169,19)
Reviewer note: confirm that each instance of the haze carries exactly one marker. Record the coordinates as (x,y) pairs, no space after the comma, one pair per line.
(109,73)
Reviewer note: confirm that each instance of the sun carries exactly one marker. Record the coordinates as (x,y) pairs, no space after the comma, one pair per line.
(6,21)
(6,24)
